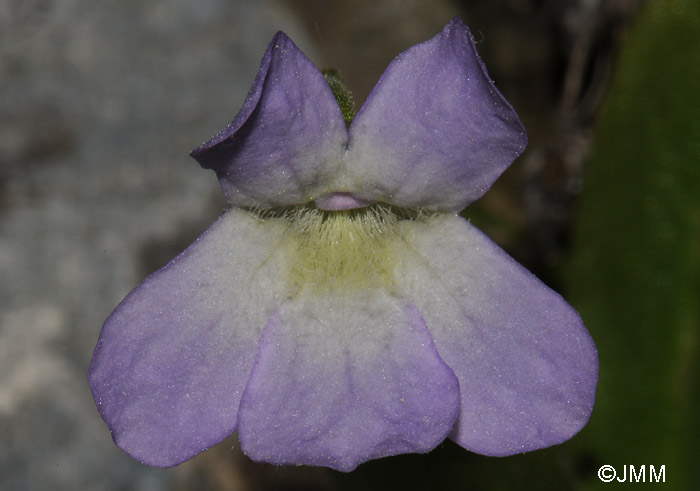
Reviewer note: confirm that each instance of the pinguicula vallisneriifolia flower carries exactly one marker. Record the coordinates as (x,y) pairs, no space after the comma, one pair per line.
(342,310)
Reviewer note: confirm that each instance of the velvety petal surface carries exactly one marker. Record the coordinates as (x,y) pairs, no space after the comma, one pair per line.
(435,132)
(173,359)
(526,365)
(286,143)
(343,379)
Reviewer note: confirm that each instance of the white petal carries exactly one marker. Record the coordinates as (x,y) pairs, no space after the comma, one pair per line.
(526,365)
(346,377)
(174,357)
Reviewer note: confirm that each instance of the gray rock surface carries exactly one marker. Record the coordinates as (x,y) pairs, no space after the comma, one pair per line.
(100,104)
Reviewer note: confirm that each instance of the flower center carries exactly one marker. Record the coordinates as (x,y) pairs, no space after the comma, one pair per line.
(338,250)
(343,249)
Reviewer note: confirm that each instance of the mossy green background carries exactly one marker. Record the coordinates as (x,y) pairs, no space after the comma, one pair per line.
(635,274)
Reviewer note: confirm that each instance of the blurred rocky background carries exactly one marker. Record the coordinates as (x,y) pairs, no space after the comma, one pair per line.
(100,104)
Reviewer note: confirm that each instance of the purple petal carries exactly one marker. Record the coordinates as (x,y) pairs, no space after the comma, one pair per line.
(173,359)
(287,141)
(526,365)
(435,132)
(340,380)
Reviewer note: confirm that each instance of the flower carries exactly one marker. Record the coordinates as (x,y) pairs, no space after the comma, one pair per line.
(341,310)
